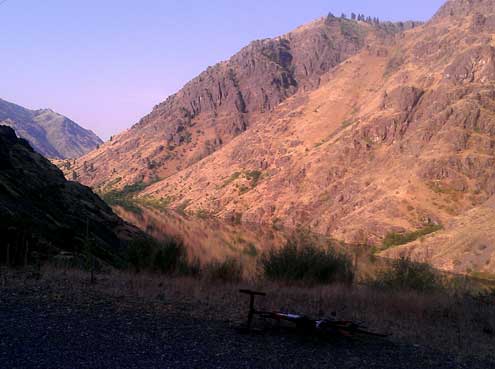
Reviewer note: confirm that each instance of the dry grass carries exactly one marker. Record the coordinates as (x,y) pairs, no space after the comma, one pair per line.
(451,323)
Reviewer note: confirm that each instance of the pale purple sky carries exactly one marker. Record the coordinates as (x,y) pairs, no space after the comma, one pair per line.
(106,63)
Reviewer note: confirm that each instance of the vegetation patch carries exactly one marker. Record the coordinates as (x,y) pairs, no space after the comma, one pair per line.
(250,250)
(347,123)
(168,256)
(229,270)
(231,179)
(162,203)
(483,275)
(243,189)
(407,275)
(253,176)
(125,196)
(393,239)
(300,260)
(181,208)
(203,214)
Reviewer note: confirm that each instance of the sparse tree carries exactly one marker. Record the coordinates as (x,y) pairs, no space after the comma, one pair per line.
(353,16)
(343,16)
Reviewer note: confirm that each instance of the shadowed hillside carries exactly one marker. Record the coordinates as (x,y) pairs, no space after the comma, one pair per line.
(41,211)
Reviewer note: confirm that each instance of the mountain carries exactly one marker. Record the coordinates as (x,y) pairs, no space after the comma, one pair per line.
(50,133)
(41,209)
(226,100)
(354,129)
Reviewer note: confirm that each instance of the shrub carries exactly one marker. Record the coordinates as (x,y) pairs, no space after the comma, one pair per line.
(408,275)
(202,214)
(243,189)
(250,250)
(229,270)
(181,208)
(253,176)
(301,260)
(139,254)
(191,268)
(167,256)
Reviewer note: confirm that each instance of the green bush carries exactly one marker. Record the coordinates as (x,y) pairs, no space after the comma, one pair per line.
(300,259)
(407,275)
(229,270)
(396,239)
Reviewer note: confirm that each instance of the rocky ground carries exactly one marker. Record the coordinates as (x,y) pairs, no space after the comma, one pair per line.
(43,327)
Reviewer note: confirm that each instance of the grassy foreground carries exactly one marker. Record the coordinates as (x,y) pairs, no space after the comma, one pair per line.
(454,323)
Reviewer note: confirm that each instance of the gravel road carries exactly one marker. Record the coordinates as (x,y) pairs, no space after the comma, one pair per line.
(45,333)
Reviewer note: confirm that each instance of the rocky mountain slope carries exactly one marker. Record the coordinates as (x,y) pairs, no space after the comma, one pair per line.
(225,101)
(362,132)
(50,133)
(41,211)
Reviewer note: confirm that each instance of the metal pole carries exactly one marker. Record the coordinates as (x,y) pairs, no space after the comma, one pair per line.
(251,311)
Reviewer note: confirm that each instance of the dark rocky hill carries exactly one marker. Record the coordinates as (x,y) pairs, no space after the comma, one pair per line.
(41,211)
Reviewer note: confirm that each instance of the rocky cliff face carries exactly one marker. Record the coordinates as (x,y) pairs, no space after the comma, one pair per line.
(395,134)
(41,211)
(50,133)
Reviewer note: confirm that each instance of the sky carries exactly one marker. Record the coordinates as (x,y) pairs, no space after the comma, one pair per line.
(106,63)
